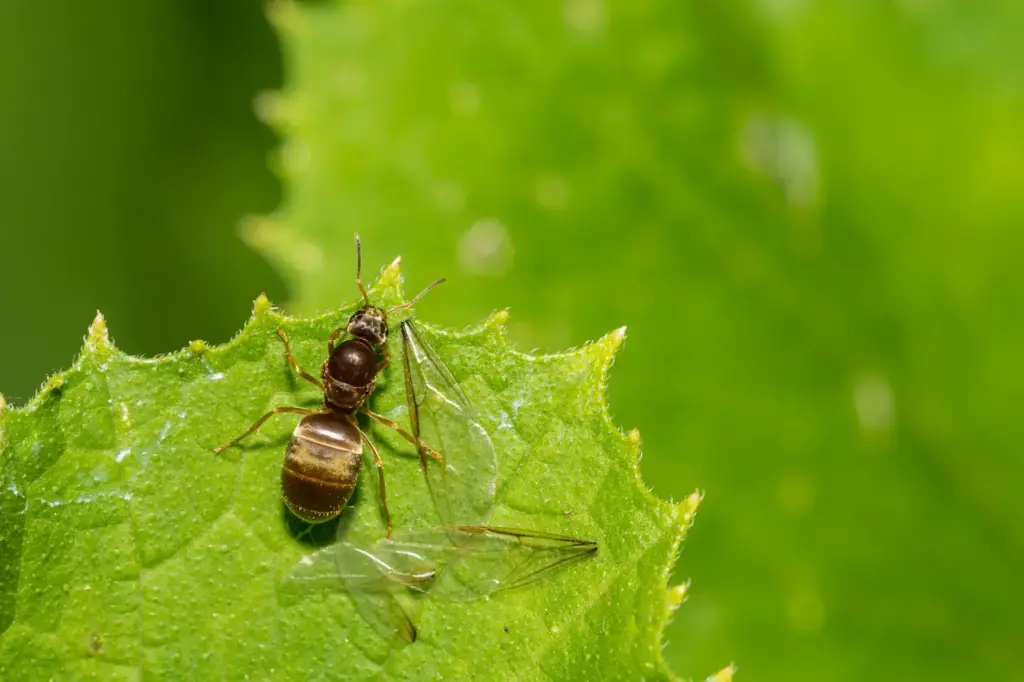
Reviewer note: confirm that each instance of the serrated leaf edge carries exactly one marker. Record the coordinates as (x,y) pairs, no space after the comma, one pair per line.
(604,352)
(98,347)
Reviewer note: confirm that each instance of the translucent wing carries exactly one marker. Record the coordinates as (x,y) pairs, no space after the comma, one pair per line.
(452,563)
(462,486)
(474,561)
(373,579)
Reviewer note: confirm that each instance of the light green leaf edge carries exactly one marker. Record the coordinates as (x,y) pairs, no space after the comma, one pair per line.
(595,652)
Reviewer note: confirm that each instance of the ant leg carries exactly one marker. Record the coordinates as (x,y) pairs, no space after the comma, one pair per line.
(261,420)
(291,361)
(384,363)
(424,448)
(380,474)
(334,337)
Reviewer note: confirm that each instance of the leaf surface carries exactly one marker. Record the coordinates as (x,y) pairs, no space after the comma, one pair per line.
(128,548)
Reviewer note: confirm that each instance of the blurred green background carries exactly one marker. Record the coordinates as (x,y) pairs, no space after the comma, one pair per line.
(808,214)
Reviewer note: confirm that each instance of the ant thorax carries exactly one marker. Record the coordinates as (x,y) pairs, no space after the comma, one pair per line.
(349,374)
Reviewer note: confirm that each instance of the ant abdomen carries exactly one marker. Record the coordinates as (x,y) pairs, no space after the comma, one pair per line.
(321,467)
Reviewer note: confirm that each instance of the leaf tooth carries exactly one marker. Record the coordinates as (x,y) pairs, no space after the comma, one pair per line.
(391,277)
(617,336)
(601,354)
(3,403)
(724,675)
(499,318)
(677,594)
(605,348)
(97,341)
(197,346)
(687,508)
(603,351)
(261,306)
(389,284)
(610,345)
(98,336)
(633,438)
(496,326)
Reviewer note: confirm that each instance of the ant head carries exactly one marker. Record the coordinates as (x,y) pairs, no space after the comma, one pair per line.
(369,323)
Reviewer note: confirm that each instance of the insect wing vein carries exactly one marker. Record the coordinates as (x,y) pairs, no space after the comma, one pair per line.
(463,485)
(472,561)
(425,356)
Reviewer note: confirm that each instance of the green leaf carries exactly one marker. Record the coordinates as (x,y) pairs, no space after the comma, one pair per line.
(128,548)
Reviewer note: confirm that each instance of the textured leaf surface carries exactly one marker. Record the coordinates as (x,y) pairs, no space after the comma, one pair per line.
(128,548)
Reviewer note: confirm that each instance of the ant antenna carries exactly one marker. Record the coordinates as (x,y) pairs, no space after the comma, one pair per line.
(359,270)
(415,298)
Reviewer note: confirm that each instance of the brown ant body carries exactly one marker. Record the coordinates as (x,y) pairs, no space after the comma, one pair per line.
(322,462)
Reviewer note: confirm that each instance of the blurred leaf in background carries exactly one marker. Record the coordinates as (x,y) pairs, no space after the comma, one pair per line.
(825,199)
(128,154)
